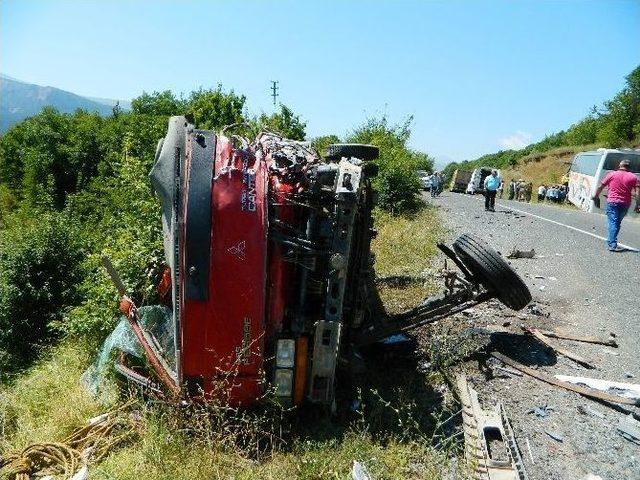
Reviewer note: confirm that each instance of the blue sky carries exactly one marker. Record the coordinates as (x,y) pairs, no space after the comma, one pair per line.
(476,75)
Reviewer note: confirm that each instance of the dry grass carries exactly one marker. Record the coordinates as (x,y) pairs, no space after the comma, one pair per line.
(405,247)
(48,402)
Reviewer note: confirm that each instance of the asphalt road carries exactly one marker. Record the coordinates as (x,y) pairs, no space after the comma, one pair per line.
(583,289)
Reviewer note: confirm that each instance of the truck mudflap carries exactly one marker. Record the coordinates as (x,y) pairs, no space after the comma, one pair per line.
(223,330)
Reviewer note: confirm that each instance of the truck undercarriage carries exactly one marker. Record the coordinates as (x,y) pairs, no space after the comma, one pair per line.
(270,271)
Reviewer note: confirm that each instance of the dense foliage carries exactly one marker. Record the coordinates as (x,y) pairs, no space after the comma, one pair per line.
(615,124)
(74,187)
(40,272)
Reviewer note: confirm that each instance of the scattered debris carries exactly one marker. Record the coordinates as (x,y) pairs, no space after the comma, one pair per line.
(610,352)
(556,436)
(508,370)
(542,287)
(522,253)
(490,444)
(541,277)
(559,254)
(530,454)
(534,309)
(542,411)
(628,375)
(566,336)
(589,411)
(553,279)
(622,389)
(359,471)
(629,429)
(557,348)
(587,392)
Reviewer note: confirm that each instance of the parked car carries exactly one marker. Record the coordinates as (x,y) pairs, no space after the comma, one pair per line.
(425,179)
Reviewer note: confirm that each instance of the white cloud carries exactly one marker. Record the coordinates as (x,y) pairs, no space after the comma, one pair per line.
(516,141)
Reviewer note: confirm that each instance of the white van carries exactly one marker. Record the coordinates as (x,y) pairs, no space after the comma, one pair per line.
(476,184)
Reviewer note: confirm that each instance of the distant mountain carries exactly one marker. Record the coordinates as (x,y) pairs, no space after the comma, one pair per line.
(19,100)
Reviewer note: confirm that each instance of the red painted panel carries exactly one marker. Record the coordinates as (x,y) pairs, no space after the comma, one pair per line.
(223,337)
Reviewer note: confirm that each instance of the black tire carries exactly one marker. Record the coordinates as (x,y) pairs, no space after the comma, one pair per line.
(336,151)
(492,271)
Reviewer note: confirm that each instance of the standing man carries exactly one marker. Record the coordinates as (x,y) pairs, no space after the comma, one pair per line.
(622,183)
(501,188)
(435,184)
(491,184)
(512,189)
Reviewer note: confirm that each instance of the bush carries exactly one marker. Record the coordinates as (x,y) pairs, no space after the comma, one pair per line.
(40,266)
(121,219)
(398,189)
(397,184)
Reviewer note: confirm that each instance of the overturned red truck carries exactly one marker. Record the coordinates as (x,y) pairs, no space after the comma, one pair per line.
(272,285)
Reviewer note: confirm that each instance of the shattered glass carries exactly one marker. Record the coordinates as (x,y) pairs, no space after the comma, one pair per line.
(157,320)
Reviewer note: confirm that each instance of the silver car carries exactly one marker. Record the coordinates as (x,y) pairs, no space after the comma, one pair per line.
(425,179)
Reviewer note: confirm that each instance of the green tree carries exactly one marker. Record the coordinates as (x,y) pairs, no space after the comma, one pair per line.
(284,122)
(158,103)
(397,183)
(321,143)
(50,155)
(213,109)
(622,121)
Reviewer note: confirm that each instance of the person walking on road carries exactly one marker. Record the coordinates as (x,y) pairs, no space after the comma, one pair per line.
(491,184)
(501,188)
(512,189)
(622,184)
(435,184)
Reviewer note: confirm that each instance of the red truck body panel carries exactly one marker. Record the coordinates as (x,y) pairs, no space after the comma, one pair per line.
(223,336)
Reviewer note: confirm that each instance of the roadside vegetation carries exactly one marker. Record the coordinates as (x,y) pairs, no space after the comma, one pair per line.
(75,187)
(615,124)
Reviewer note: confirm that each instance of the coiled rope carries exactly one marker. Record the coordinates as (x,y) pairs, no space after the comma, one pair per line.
(88,444)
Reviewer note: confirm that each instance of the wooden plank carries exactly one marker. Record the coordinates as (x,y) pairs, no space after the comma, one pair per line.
(567,336)
(557,348)
(628,390)
(587,392)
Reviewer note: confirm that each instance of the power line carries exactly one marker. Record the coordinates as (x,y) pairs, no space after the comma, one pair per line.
(274,90)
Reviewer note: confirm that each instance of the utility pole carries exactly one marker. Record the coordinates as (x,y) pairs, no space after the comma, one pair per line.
(274,90)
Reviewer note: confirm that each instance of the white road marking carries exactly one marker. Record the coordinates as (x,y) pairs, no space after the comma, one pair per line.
(565,225)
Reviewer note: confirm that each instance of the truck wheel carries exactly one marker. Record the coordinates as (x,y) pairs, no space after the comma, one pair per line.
(336,151)
(493,272)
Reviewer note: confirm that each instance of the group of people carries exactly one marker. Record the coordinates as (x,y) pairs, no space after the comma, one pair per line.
(552,193)
(621,184)
(520,190)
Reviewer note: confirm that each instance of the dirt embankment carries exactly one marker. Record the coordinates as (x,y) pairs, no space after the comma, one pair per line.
(543,168)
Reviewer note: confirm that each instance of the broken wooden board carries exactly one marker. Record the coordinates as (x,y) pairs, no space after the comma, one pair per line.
(490,446)
(576,338)
(629,429)
(587,392)
(622,389)
(557,348)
